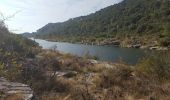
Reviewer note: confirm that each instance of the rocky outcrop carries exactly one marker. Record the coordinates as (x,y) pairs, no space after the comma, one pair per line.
(13,88)
(110,42)
(136,46)
(66,74)
(158,48)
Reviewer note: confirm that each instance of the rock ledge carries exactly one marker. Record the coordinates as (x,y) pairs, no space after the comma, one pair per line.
(12,88)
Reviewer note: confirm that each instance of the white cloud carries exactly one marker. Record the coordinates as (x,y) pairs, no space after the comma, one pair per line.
(36,13)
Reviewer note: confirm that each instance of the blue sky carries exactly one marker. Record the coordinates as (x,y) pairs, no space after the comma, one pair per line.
(33,14)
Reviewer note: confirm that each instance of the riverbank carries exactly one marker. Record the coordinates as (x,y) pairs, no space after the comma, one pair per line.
(149,42)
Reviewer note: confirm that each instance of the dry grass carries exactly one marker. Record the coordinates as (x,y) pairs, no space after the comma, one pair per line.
(107,81)
(98,81)
(51,96)
(14,97)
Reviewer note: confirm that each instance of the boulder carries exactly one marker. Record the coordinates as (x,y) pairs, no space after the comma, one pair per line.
(93,61)
(136,45)
(158,48)
(70,74)
(154,48)
(67,74)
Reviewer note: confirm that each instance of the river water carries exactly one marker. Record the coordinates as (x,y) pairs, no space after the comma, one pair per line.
(103,53)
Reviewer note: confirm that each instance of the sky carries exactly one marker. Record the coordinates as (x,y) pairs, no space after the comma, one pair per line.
(30,15)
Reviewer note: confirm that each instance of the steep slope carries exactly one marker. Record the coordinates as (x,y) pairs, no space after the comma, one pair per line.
(129,16)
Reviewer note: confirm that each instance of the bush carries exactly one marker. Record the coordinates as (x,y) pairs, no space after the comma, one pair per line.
(156,67)
(119,76)
(165,41)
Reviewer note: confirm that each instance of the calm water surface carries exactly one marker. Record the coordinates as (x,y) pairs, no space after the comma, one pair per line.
(104,53)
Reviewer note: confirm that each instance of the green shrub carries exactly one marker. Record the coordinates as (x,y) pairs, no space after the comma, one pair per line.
(165,41)
(156,67)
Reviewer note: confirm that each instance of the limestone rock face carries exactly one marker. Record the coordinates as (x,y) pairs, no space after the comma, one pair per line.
(11,88)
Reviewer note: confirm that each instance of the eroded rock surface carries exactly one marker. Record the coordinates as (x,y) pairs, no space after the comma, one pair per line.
(13,88)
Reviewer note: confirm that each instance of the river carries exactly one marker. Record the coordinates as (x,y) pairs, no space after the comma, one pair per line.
(103,53)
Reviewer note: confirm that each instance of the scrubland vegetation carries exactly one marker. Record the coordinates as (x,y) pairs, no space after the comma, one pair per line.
(148,80)
(56,76)
(24,61)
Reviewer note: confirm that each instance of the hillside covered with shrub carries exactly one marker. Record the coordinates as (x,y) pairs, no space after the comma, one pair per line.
(127,18)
